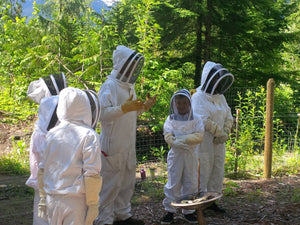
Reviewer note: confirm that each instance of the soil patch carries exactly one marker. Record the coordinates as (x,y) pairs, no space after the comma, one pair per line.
(272,201)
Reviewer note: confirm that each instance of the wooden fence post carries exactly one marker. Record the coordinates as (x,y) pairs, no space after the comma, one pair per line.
(269,129)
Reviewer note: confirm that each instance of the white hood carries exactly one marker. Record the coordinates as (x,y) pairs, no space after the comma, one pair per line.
(215,79)
(127,64)
(46,87)
(173,109)
(74,106)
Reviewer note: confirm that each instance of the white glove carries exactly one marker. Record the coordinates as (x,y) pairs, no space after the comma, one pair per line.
(91,215)
(224,135)
(93,186)
(221,139)
(228,125)
(227,130)
(180,145)
(191,139)
(213,128)
(42,208)
(169,138)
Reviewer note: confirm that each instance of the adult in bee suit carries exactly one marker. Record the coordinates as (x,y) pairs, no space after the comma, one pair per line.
(69,173)
(210,103)
(46,87)
(44,92)
(119,110)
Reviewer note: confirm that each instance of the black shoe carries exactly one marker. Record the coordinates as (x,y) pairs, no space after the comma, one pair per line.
(129,221)
(190,218)
(216,208)
(167,219)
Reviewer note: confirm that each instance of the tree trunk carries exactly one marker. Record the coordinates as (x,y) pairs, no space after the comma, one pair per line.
(198,52)
(207,33)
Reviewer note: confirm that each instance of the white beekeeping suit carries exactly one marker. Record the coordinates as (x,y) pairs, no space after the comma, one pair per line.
(70,170)
(45,92)
(210,103)
(119,110)
(46,87)
(183,130)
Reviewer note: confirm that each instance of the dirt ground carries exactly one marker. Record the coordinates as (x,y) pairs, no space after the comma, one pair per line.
(261,201)
(273,201)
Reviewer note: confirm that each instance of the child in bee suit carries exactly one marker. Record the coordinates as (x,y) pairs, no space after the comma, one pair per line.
(210,103)
(182,131)
(69,174)
(119,110)
(44,92)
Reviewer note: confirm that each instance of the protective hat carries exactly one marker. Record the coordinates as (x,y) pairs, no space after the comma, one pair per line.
(215,79)
(173,111)
(46,87)
(127,63)
(79,105)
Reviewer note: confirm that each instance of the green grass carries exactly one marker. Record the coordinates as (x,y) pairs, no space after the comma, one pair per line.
(16,162)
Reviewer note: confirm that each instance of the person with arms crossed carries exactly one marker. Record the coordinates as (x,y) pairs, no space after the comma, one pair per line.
(210,103)
(183,131)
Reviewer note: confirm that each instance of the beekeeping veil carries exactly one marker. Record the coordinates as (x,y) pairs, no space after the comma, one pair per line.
(46,87)
(95,107)
(215,79)
(127,64)
(173,111)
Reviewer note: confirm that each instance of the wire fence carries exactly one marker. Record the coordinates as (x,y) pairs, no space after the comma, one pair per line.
(150,146)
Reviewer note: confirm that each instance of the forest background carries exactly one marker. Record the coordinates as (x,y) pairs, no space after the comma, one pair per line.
(255,40)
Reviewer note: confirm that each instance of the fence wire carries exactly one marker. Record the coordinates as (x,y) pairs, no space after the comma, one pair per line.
(151,145)
(152,149)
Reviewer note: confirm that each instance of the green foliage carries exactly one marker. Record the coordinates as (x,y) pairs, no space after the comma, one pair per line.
(148,191)
(159,153)
(253,40)
(15,105)
(286,163)
(245,151)
(254,195)
(250,133)
(231,188)
(296,195)
(164,83)
(17,161)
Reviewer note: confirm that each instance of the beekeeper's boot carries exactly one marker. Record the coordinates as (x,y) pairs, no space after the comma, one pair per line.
(168,218)
(190,218)
(129,221)
(216,208)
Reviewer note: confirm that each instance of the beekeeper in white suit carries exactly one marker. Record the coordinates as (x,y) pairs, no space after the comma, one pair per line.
(46,87)
(210,103)
(44,92)
(182,131)
(69,174)
(119,110)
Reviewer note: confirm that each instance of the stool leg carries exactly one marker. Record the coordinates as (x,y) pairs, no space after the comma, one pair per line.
(200,217)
